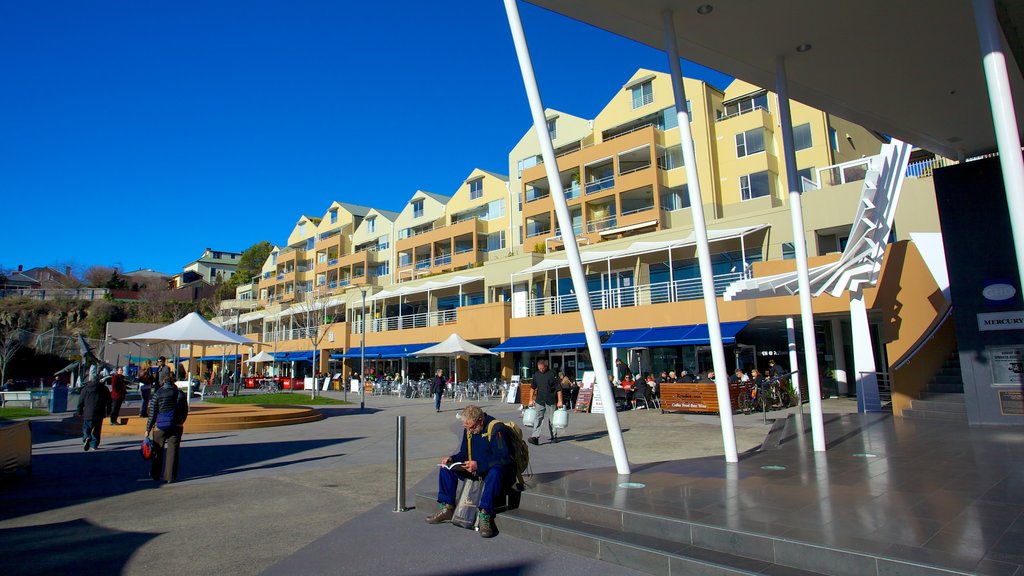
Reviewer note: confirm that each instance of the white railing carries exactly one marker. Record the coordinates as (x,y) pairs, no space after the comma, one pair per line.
(406,322)
(742,112)
(925,168)
(290,334)
(600,184)
(637,210)
(837,174)
(630,131)
(442,260)
(659,293)
(601,224)
(537,232)
(631,170)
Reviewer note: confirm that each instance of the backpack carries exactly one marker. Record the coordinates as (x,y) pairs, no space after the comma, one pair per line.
(517,446)
(165,420)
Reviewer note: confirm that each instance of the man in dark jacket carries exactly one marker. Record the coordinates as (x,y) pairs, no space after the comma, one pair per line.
(547,396)
(93,407)
(437,386)
(167,415)
(485,456)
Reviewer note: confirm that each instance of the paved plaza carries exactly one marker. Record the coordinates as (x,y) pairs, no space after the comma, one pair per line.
(310,498)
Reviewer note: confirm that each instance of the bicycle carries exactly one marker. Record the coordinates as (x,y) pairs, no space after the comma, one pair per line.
(268,386)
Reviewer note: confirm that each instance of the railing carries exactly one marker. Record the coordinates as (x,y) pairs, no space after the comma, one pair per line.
(637,169)
(884,385)
(423,264)
(659,293)
(630,131)
(464,249)
(837,174)
(55,293)
(600,184)
(442,260)
(537,232)
(573,191)
(742,112)
(345,282)
(332,284)
(925,168)
(281,276)
(602,224)
(637,210)
(290,334)
(535,195)
(406,322)
(332,262)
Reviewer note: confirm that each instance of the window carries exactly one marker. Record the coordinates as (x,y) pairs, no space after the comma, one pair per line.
(526,163)
(302,228)
(749,142)
(551,128)
(309,243)
(671,158)
(668,119)
(476,189)
(643,94)
(495,209)
(382,243)
(334,216)
(404,259)
(788,251)
(371,225)
(747,104)
(834,138)
(755,185)
(496,241)
(383,269)
(805,174)
(676,198)
(417,208)
(802,137)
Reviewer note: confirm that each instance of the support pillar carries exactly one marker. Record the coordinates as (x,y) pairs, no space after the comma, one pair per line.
(868,399)
(838,344)
(794,360)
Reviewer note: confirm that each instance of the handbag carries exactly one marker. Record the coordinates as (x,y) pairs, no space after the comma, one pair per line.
(148,448)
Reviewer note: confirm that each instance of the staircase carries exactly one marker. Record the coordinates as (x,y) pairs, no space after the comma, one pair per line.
(944,399)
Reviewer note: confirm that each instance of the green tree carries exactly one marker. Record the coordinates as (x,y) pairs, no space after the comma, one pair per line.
(249,264)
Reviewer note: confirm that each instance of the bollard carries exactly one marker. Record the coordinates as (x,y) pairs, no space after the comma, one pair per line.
(400,466)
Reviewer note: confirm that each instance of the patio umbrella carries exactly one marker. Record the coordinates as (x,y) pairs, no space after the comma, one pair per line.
(192,329)
(453,347)
(259,358)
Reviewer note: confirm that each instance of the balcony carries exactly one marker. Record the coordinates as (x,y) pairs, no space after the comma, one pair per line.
(641,295)
(407,322)
(601,224)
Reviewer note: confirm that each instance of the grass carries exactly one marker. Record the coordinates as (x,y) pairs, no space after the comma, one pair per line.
(285,398)
(19,413)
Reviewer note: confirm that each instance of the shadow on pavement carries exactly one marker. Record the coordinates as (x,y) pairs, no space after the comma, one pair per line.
(73,547)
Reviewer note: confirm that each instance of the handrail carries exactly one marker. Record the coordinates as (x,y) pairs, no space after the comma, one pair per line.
(920,343)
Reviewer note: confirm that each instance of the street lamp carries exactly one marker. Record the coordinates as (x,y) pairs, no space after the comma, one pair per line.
(362,356)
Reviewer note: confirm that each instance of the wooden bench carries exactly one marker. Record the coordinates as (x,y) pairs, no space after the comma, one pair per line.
(15,447)
(696,397)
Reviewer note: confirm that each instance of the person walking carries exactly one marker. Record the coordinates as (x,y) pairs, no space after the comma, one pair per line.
(93,407)
(437,386)
(146,380)
(166,424)
(547,396)
(118,390)
(163,372)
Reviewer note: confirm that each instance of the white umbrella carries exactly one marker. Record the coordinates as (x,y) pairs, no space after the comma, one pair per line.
(192,329)
(261,357)
(453,347)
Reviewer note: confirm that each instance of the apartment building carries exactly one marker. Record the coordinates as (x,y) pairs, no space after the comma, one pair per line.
(213,267)
(487,261)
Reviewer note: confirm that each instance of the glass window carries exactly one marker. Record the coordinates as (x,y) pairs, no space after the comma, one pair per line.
(788,251)
(834,138)
(749,142)
(404,259)
(496,241)
(643,94)
(806,174)
(802,137)
(755,185)
(334,216)
(495,209)
(383,269)
(676,198)
(551,128)
(526,163)
(671,158)
(476,189)
(309,243)
(417,208)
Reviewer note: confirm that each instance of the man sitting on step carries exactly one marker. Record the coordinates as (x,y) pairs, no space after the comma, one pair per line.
(485,458)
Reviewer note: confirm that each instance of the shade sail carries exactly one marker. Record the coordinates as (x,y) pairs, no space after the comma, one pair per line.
(261,357)
(192,329)
(454,345)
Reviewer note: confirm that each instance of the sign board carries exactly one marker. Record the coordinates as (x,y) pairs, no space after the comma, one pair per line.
(512,395)
(1001,321)
(354,385)
(1011,402)
(588,380)
(1007,365)
(597,405)
(584,399)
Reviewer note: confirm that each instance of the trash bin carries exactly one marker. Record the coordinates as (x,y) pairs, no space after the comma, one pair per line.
(58,399)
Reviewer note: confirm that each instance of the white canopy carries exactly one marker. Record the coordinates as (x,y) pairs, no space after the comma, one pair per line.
(261,357)
(454,345)
(192,329)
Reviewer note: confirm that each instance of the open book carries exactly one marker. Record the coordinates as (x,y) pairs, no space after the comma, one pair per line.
(459,468)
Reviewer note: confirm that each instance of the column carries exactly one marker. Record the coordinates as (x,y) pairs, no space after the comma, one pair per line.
(838,344)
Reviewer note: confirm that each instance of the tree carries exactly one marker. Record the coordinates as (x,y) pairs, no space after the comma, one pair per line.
(313,317)
(12,338)
(250,263)
(97,276)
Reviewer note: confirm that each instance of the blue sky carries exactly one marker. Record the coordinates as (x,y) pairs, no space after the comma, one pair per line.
(136,133)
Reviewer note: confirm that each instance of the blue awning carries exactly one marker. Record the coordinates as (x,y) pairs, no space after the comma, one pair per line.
(226,357)
(524,343)
(391,351)
(694,334)
(306,356)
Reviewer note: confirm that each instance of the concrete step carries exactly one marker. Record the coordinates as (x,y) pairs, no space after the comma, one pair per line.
(949,388)
(939,406)
(657,544)
(935,415)
(950,397)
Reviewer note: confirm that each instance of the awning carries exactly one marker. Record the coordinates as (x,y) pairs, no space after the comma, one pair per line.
(217,358)
(544,342)
(392,351)
(694,334)
(306,356)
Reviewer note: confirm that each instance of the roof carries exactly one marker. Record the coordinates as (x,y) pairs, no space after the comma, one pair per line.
(439,197)
(501,177)
(389,214)
(910,69)
(355,209)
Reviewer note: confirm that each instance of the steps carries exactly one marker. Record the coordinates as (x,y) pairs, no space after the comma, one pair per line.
(944,399)
(207,418)
(656,544)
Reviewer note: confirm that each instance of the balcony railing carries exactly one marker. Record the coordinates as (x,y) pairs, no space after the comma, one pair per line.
(442,260)
(572,191)
(332,262)
(600,184)
(290,334)
(537,232)
(601,224)
(422,320)
(423,264)
(637,210)
(659,293)
(536,195)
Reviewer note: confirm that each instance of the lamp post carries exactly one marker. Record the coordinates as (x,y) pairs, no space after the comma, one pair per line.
(362,355)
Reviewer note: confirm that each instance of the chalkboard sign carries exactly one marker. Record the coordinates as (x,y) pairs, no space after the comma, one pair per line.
(584,399)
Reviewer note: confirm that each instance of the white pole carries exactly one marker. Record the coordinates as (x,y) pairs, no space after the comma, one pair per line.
(800,247)
(362,357)
(1005,120)
(579,281)
(707,274)
(842,386)
(794,361)
(863,356)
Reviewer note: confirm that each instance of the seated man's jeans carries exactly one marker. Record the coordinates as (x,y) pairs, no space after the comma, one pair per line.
(495,483)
